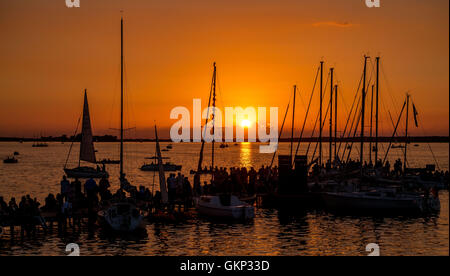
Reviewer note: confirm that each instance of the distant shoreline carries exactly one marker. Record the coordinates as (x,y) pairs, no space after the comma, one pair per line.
(113,139)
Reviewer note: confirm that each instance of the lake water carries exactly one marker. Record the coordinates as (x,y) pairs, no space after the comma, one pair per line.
(271,233)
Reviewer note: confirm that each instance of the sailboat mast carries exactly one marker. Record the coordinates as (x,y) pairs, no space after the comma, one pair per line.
(335,120)
(376,110)
(293,121)
(406,133)
(363,103)
(320,113)
(121,99)
(213,118)
(371,125)
(331,114)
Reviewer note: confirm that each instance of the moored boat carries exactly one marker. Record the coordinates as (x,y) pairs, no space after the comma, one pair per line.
(40,145)
(122,217)
(10,160)
(85,172)
(224,207)
(380,201)
(155,167)
(87,150)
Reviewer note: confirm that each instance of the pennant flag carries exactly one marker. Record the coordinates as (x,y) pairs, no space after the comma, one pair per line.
(415,115)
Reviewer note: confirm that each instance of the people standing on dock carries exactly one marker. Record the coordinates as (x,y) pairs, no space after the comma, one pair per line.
(65,186)
(103,187)
(187,192)
(172,188)
(3,207)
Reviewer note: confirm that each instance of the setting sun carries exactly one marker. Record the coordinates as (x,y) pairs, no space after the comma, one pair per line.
(246,123)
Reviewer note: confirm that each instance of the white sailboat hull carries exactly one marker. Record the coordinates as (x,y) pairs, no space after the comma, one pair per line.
(122,217)
(211,206)
(361,202)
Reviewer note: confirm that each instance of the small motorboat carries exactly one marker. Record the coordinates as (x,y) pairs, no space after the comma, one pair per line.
(169,147)
(154,167)
(16,153)
(10,160)
(86,172)
(223,145)
(121,217)
(224,207)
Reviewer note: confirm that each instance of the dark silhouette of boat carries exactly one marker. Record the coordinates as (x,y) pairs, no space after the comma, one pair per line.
(108,161)
(168,167)
(40,145)
(10,160)
(87,151)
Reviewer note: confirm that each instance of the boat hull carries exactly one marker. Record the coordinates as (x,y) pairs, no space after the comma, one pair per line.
(343,202)
(85,172)
(10,161)
(212,207)
(155,168)
(126,222)
(233,213)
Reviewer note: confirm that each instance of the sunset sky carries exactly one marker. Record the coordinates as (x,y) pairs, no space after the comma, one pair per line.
(49,54)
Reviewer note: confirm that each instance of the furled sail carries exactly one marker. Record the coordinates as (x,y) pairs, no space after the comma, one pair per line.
(87,152)
(162,177)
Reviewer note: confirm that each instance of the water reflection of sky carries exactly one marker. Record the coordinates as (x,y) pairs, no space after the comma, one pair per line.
(245,156)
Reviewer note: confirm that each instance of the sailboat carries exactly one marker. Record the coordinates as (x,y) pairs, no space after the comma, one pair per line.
(87,151)
(122,216)
(220,206)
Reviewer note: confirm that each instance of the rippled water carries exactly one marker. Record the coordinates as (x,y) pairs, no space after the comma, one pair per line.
(271,233)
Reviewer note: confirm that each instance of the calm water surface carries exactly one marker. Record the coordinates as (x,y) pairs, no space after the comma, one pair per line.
(271,233)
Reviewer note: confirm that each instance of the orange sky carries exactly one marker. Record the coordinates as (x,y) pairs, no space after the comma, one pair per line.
(50,53)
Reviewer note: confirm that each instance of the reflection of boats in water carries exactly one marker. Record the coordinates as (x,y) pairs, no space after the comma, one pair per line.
(10,160)
(169,147)
(122,217)
(155,167)
(87,151)
(225,207)
(223,145)
(398,146)
(381,200)
(16,153)
(164,150)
